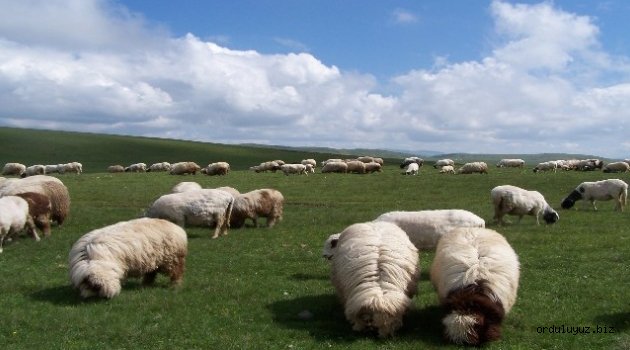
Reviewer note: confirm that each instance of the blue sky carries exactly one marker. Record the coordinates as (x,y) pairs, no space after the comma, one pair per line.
(452,76)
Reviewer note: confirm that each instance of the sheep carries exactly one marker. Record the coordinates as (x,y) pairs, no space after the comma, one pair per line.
(599,190)
(476,274)
(410,160)
(412,169)
(263,167)
(293,169)
(205,207)
(72,167)
(310,161)
(51,168)
(365,159)
(510,163)
(49,186)
(616,167)
(34,170)
(546,166)
(162,166)
(443,162)
(331,160)
(16,169)
(379,160)
(356,167)
(115,169)
(101,259)
(375,273)
(330,246)
(335,167)
(514,200)
(473,167)
(266,202)
(218,168)
(14,218)
(183,168)
(40,211)
(185,186)
(136,168)
(310,169)
(590,164)
(231,190)
(426,227)
(373,167)
(447,169)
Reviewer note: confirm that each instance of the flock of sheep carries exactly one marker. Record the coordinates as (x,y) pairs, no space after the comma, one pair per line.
(374,265)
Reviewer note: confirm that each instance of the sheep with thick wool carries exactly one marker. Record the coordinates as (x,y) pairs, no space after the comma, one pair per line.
(48,186)
(375,273)
(599,190)
(205,207)
(473,167)
(373,167)
(184,168)
(40,211)
(335,167)
(356,167)
(476,274)
(266,202)
(410,160)
(161,166)
(217,168)
(426,227)
(33,170)
(186,186)
(512,200)
(443,162)
(447,169)
(412,169)
(16,169)
(511,163)
(551,165)
(288,169)
(136,168)
(616,167)
(115,168)
(14,217)
(101,259)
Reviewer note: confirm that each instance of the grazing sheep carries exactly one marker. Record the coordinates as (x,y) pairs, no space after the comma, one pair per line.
(447,169)
(16,169)
(375,273)
(186,186)
(231,190)
(514,200)
(263,167)
(136,168)
(590,164)
(473,167)
(34,170)
(40,211)
(365,159)
(72,167)
(356,167)
(332,160)
(293,169)
(599,190)
(476,274)
(443,162)
(51,168)
(115,169)
(373,167)
(101,259)
(203,207)
(510,163)
(410,160)
(546,166)
(266,202)
(335,167)
(14,218)
(49,186)
(616,167)
(162,166)
(412,169)
(183,168)
(310,161)
(426,227)
(310,169)
(218,168)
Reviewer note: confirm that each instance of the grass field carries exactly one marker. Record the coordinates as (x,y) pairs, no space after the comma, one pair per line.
(245,290)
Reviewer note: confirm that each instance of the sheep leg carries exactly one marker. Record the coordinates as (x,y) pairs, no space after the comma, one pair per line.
(176,273)
(31,229)
(593,204)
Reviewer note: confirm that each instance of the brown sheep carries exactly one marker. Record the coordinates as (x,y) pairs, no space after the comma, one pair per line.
(40,210)
(266,203)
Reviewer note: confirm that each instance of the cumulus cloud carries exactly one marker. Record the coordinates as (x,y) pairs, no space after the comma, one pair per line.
(402,16)
(91,65)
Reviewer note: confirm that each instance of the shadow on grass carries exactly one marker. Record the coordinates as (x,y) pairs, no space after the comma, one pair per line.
(619,321)
(67,295)
(309,276)
(323,318)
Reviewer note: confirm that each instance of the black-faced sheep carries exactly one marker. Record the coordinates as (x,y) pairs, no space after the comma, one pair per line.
(514,200)
(599,190)
(49,186)
(476,274)
(375,273)
(473,167)
(14,218)
(266,202)
(183,168)
(101,259)
(410,160)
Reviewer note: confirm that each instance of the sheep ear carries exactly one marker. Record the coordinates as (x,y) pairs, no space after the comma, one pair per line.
(333,243)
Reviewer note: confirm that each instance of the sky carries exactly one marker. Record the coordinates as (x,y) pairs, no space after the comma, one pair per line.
(477,76)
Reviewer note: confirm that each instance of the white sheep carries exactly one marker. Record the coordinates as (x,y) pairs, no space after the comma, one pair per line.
(365,159)
(46,185)
(410,160)
(510,163)
(161,166)
(426,227)
(551,165)
(412,169)
(72,167)
(310,161)
(217,168)
(32,170)
(616,167)
(330,246)
(115,168)
(443,162)
(375,272)
(332,160)
(447,169)
(14,169)
(473,167)
(310,169)
(51,168)
(266,202)
(293,169)
(508,199)
(183,168)
(231,190)
(205,207)
(136,168)
(14,217)
(335,167)
(356,167)
(186,186)
(102,258)
(476,274)
(373,167)
(599,190)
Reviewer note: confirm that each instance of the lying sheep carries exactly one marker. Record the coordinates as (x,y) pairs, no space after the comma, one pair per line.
(203,207)
(443,162)
(335,167)
(599,190)
(16,169)
(293,169)
(136,168)
(473,167)
(447,169)
(49,186)
(266,202)
(510,163)
(426,227)
(34,170)
(115,169)
(514,200)
(184,168)
(375,272)
(185,186)
(14,218)
(101,259)
(356,167)
(616,167)
(412,169)
(218,168)
(40,211)
(476,274)
(546,166)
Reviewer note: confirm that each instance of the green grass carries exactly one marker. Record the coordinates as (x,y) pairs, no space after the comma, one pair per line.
(245,290)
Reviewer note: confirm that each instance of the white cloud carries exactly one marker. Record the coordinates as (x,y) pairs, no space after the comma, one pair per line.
(402,16)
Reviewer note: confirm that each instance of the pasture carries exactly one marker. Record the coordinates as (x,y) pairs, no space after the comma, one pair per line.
(252,288)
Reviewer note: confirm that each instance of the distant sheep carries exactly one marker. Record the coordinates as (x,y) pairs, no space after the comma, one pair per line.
(476,274)
(51,168)
(101,259)
(447,169)
(356,167)
(473,167)
(310,161)
(157,167)
(218,168)
(590,164)
(599,190)
(72,167)
(510,163)
(310,169)
(266,202)
(186,186)
(184,168)
(412,169)
(410,160)
(49,186)
(616,167)
(16,169)
(373,167)
(375,273)
(14,218)
(136,168)
(40,211)
(34,170)
(551,165)
(263,167)
(332,160)
(205,207)
(335,167)
(514,200)
(443,162)
(426,227)
(365,159)
(288,169)
(115,169)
